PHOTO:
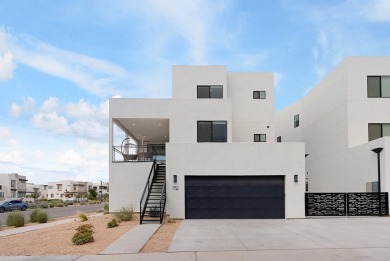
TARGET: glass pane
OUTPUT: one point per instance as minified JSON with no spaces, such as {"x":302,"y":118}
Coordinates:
{"x":216,"y":92}
{"x":279,"y":139}
{"x":257,"y":137}
{"x":263,"y":137}
{"x":385,"y":129}
{"x":203,"y":92}
{"x":373,"y":86}
{"x":374,"y":131}
{"x":262,"y":95}
{"x":219,"y":131}
{"x":385,"y":86}
{"x":256,"y":95}
{"x":296,"y":121}
{"x":204,"y":131}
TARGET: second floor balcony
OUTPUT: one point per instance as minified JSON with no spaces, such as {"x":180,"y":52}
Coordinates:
{"x":134,"y":153}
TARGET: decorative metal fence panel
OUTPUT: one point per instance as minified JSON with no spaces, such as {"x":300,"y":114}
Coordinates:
{"x":325,"y":204}
{"x":345,"y":204}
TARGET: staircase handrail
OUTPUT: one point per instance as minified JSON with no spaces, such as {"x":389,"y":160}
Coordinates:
{"x":162,"y":204}
{"x":147,"y":188}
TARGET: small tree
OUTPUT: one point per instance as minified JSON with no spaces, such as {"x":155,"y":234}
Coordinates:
{"x":35,"y":195}
{"x":92,"y":194}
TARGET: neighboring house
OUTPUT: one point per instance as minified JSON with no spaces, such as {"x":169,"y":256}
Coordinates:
{"x":68,"y":189}
{"x":341,"y":120}
{"x":216,"y":136}
{"x":12,"y":186}
{"x":102,"y":188}
{"x":35,"y":188}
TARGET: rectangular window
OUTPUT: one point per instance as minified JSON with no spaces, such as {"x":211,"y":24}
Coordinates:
{"x":279,"y":139}
{"x":378,"y":86}
{"x":1,"y":187}
{"x":260,"y":137}
{"x":210,"y":92}
{"x":378,"y":130}
{"x":1,"y":194}
{"x":212,"y":131}
{"x":13,"y":183}
{"x":258,"y":94}
{"x":296,"y":121}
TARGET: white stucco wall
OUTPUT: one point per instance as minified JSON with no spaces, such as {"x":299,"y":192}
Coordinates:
{"x":237,"y":159}
{"x":127,"y":182}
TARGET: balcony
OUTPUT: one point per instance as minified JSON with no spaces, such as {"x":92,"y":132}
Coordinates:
{"x":135,"y":153}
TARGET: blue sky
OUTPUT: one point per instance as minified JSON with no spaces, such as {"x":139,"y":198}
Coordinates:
{"x":60,"y":62}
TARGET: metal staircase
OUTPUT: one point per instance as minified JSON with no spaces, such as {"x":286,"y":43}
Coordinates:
{"x":152,"y":203}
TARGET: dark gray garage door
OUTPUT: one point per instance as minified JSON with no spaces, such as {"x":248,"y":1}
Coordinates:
{"x":234,"y":197}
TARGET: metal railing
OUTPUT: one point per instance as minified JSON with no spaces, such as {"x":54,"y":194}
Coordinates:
{"x":162,"y":202}
{"x":134,"y":153}
{"x":144,"y":199}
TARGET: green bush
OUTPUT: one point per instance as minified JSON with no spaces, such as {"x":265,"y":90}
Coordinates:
{"x":51,"y":205}
{"x":83,"y":217}
{"x":106,"y":207}
{"x":125,"y":214}
{"x":112,"y":223}
{"x":34,"y":215}
{"x":15,"y":219}
{"x":60,"y":204}
{"x":85,"y":228}
{"x":83,"y":203}
{"x":42,"y":217}
{"x":82,"y":238}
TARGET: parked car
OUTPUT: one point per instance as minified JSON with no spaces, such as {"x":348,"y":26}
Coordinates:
{"x":13,"y":205}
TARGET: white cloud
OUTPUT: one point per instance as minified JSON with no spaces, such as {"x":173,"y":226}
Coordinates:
{"x":378,"y":10}
{"x":94,"y":75}
{"x":71,"y":158}
{"x":11,"y":157}
{"x":27,"y":106}
{"x":51,"y":122}
{"x":6,"y":137}
{"x":7,"y":65}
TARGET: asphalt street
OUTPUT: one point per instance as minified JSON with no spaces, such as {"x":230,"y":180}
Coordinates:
{"x":58,"y":212}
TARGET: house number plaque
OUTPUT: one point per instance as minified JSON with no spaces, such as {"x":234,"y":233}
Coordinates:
{"x":175,"y":187}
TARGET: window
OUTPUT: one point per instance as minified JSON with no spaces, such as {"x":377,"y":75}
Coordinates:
{"x":378,"y":86}
{"x":13,"y":183}
{"x":210,"y":92}
{"x":59,"y":186}
{"x":296,"y":121}
{"x":378,"y":130}
{"x":1,"y":194}
{"x":52,"y":195}
{"x":260,"y":137}
{"x":212,"y":131}
{"x":279,"y":139}
{"x":1,"y":187}
{"x":258,"y":94}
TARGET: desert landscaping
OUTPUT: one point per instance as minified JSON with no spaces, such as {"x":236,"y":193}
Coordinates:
{"x":57,"y":240}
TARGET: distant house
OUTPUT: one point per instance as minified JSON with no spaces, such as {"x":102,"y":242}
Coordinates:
{"x":68,"y":189}
{"x":210,"y":150}
{"x":35,"y":188}
{"x":12,"y":186}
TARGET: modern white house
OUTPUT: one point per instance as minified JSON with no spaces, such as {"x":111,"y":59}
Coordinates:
{"x":210,"y":150}
{"x":68,"y":189}
{"x":341,"y":121}
{"x":12,"y":186}
{"x":36,"y":188}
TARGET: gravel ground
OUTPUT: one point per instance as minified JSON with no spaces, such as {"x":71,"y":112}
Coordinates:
{"x":57,"y":240}
{"x":160,"y":241}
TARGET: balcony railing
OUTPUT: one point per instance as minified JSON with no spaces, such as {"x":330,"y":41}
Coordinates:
{"x":135,"y":153}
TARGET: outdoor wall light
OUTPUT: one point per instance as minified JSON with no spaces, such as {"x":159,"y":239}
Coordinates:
{"x":174,"y":178}
{"x":295,"y":178}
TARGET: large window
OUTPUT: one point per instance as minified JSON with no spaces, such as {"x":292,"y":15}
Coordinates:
{"x":260,"y":137}
{"x":279,"y":139}
{"x":296,"y":121}
{"x":258,"y":94}
{"x":210,"y":92}
{"x":212,"y":131}
{"x":378,"y":86}
{"x":378,"y":130}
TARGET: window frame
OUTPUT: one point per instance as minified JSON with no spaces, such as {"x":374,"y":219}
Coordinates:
{"x":279,"y":139}
{"x":381,"y":130}
{"x":212,"y":132}
{"x":209,"y":91}
{"x":259,"y":135}
{"x":257,"y":95}
{"x":296,"y":120}
{"x":380,"y":86}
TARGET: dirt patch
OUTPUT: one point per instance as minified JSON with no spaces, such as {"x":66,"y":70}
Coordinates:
{"x":57,"y":240}
{"x":160,"y":241}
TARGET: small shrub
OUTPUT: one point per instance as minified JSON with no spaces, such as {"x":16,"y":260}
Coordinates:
{"x":106,"y":207}
{"x":125,"y":214}
{"x":85,"y":228}
{"x":51,"y":205}
{"x":34,"y":215}
{"x":42,"y":217}
{"x":112,"y":223}
{"x":15,"y":219}
{"x":83,"y":203}
{"x":83,"y":217}
{"x":82,"y":238}
{"x":60,"y":205}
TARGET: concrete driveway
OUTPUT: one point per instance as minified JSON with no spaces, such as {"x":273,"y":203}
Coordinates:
{"x":294,"y":234}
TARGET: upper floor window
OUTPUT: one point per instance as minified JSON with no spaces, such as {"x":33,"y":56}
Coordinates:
{"x":13,"y":183}
{"x":279,"y":139}
{"x":210,"y":92}
{"x":212,"y":131}
{"x":378,"y":130}
{"x":378,"y":86}
{"x":296,"y":121}
{"x":1,"y":187}
{"x":260,"y":137}
{"x":258,"y":94}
